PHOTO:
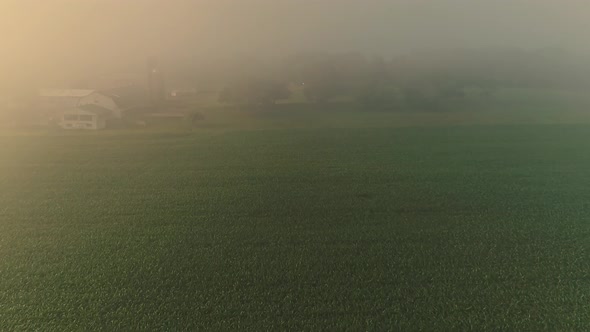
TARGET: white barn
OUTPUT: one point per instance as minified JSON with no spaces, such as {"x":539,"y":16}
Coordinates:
{"x":89,"y":117}
{"x":60,"y":99}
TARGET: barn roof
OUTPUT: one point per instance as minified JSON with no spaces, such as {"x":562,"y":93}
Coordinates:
{"x":96,"y":109}
{"x":65,"y":92}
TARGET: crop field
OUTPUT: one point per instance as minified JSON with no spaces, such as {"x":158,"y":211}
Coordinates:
{"x":472,"y":227}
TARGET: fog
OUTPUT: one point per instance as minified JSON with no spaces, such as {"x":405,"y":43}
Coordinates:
{"x":76,"y":37}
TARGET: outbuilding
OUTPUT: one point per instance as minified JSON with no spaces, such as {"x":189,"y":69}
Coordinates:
{"x":60,"y":99}
{"x":88,"y":117}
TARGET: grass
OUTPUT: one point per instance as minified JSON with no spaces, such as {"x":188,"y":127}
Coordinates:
{"x":333,"y":226}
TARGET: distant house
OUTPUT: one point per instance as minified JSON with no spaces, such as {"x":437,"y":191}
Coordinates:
{"x":89,"y":109}
{"x":89,"y":116}
{"x":60,"y":99}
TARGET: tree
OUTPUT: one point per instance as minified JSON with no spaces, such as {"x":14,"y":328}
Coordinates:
{"x":327,"y":76}
{"x":254,"y":92}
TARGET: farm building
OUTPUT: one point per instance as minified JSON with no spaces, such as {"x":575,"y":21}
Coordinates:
{"x":89,"y":117}
{"x":59,"y":99}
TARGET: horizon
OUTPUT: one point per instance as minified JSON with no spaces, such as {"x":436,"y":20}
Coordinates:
{"x":73,"y":37}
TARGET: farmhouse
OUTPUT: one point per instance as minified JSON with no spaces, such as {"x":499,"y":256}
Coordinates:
{"x":90,"y":117}
{"x":89,"y":109}
{"x":82,"y":108}
{"x":59,"y":99}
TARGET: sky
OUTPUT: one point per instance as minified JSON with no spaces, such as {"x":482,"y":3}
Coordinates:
{"x":51,"y":35}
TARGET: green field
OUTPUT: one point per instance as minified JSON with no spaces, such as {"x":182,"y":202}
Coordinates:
{"x":359,"y":222}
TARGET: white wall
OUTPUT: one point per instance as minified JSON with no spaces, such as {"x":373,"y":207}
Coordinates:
{"x":71,"y":120}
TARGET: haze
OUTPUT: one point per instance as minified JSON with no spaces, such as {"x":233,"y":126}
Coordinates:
{"x":74,"y":34}
{"x":252,"y":165}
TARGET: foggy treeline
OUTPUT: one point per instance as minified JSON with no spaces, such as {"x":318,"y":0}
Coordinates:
{"x":386,"y":54}
{"x":418,"y":80}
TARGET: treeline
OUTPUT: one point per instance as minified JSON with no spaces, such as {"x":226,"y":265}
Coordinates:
{"x":415,"y":81}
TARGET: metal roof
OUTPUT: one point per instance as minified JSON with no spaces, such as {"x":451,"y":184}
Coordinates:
{"x":96,"y":109}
